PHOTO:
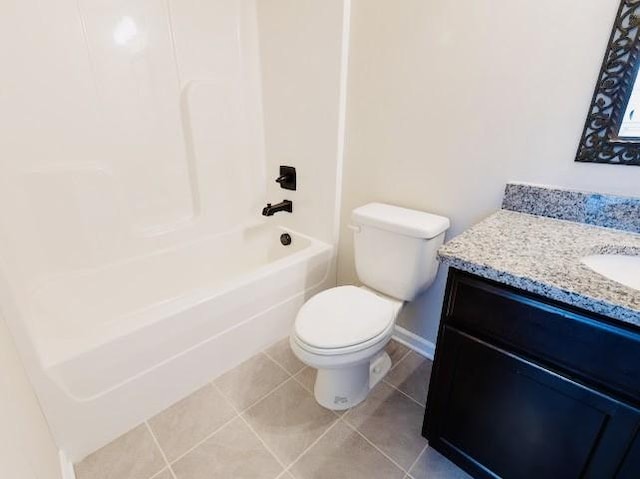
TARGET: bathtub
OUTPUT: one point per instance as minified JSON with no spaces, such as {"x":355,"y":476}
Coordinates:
{"x":115,"y":345}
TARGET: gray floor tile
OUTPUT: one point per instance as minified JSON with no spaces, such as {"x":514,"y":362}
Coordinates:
{"x":344,"y":454}
{"x":189,"y":421}
{"x":166,"y":474}
{"x":396,"y":351}
{"x":307,"y":377}
{"x":433,"y":465}
{"x":392,"y":422}
{"x":282,"y":354}
{"x":411,"y":376}
{"x":251,"y":380}
{"x":134,"y":455}
{"x":289,"y":420}
{"x":232,"y":452}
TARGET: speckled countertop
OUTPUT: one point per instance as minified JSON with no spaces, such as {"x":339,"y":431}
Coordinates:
{"x":542,"y":255}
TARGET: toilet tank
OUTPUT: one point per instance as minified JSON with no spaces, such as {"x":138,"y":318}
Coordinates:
{"x":395,"y":248}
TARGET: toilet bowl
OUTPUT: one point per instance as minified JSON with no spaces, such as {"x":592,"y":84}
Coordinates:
{"x":342,"y":332}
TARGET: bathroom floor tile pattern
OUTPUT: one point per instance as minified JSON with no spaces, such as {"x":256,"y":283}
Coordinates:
{"x":260,"y":420}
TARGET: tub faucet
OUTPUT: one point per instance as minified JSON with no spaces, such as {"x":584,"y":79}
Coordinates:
{"x":271,"y":210}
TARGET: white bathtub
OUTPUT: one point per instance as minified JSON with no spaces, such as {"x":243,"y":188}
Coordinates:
{"x":118,"y":344}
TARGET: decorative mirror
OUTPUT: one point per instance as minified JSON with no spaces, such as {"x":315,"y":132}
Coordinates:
{"x":612,"y":130}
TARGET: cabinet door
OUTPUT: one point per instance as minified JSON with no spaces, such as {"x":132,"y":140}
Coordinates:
{"x":498,"y":415}
{"x":630,"y":467}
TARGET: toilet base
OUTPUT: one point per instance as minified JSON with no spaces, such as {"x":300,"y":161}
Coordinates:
{"x":343,"y":388}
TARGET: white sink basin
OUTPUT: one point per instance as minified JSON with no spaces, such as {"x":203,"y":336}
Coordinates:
{"x":620,"y":268}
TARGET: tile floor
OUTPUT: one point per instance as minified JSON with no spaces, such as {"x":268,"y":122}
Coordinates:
{"x":260,"y":420}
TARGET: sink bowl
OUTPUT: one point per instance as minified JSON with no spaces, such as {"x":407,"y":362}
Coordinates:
{"x":620,"y":268}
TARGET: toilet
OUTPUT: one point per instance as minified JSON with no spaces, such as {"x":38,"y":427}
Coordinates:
{"x":342,"y":331}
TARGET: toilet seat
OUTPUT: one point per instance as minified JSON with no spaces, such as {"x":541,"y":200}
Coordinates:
{"x":344,"y":319}
{"x":346,"y":351}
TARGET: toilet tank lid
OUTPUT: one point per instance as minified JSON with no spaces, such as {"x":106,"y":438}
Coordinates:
{"x":404,"y":221}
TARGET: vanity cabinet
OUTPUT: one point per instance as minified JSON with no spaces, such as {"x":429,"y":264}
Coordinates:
{"x":525,"y":387}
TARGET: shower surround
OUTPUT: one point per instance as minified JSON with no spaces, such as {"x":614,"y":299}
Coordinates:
{"x":141,"y":140}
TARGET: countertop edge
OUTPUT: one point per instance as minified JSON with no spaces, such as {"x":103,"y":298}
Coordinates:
{"x":616,"y":312}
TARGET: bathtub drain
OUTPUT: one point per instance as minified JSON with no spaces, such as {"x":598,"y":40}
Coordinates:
{"x":285,"y":239}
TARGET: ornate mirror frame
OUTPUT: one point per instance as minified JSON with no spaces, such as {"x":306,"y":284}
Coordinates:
{"x":600,"y":142}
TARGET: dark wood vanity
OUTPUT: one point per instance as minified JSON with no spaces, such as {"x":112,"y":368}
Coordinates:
{"x":527,"y":387}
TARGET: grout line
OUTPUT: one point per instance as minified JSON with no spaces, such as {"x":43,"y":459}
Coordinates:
{"x":157,"y":443}
{"x":393,"y":366}
{"x":416,"y":461}
{"x":403,"y":393}
{"x":275,"y":361}
{"x":285,"y":467}
{"x":157,"y":474}
{"x":295,"y":378}
{"x":348,"y":411}
{"x":264,"y":351}
{"x":261,"y":398}
{"x":243,"y":419}
{"x":280,"y":365}
{"x":312,"y":444}
{"x":376,"y":447}
{"x":264,"y":444}
{"x":199,"y":443}
{"x":239,"y":414}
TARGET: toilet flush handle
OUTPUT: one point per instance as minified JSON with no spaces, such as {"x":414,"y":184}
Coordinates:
{"x":355,"y":228}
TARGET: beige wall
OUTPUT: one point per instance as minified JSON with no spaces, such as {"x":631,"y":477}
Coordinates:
{"x":450,"y":100}
{"x":26,"y":448}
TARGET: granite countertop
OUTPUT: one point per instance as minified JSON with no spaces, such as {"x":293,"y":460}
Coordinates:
{"x":542,"y":255}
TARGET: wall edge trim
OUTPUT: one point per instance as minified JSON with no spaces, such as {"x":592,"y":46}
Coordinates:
{"x":413,"y":341}
{"x":66,"y":467}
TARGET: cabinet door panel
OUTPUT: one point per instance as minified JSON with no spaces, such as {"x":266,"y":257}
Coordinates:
{"x":604,"y":355}
{"x":630,"y":467}
{"x":506,"y":417}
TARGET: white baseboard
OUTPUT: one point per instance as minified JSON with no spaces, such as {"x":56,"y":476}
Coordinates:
{"x":66,"y":467}
{"x":413,"y":341}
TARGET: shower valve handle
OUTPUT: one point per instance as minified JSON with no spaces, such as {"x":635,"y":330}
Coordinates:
{"x":287,"y":178}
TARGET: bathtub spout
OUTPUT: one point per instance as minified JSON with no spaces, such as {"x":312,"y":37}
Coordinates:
{"x":270,"y":209}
